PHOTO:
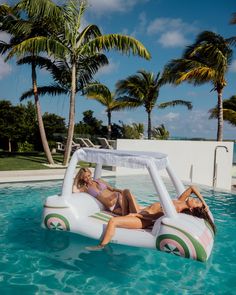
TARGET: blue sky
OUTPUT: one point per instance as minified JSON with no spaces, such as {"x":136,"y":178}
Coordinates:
{"x":165,"y":27}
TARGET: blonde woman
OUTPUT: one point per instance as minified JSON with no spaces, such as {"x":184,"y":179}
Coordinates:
{"x":115,"y":200}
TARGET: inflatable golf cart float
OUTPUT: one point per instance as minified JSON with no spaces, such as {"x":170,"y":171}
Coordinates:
{"x":177,"y":233}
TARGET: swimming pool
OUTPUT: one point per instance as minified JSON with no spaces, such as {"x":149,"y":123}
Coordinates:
{"x":37,"y":261}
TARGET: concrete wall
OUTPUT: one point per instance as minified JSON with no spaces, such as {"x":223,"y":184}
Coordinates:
{"x":193,"y":161}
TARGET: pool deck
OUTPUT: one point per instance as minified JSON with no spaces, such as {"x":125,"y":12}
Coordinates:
{"x":58,"y":174}
{"x":37,"y":175}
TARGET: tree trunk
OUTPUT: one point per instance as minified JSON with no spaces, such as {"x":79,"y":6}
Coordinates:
{"x":71,"y":123}
{"x":9,"y":145}
{"x":149,"y":126}
{"x":220,"y":115}
{"x":39,"y":117}
{"x":109,"y":124}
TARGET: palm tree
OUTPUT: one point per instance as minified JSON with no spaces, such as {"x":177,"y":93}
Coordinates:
{"x":103,"y":95}
{"x":22,"y":29}
{"x":133,"y":131}
{"x":160,"y":132}
{"x":229,"y":110}
{"x":61,"y":74}
{"x":207,"y":60}
{"x":68,"y":41}
{"x":142,"y":89}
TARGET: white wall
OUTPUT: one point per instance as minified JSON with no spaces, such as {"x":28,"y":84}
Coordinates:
{"x":193,"y":161}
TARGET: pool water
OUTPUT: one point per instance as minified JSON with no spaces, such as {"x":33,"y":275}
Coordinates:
{"x":37,"y":261}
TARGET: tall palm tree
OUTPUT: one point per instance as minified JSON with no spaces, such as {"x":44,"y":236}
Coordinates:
{"x":229,"y":110}
{"x":61,"y":74}
{"x":142,"y":89}
{"x":70,"y":42}
{"x":103,"y":95}
{"x":21,"y":28}
{"x":207,"y":60}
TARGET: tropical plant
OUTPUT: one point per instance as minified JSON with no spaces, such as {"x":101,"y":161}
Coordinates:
{"x":89,"y":126}
{"x":69,"y":42}
{"x":207,"y":60}
{"x":11,"y":125}
{"x":23,"y":24}
{"x":229,"y":110}
{"x":160,"y":132}
{"x":103,"y":95}
{"x":142,"y":89}
{"x":133,"y":131}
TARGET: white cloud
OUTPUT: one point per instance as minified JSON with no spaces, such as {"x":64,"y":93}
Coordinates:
{"x":170,"y":116}
{"x":192,"y":124}
{"x":101,"y":7}
{"x":173,"y":39}
{"x":164,"y":24}
{"x":5,"y":37}
{"x":112,"y":67}
{"x":142,"y":24}
{"x":5,"y":68}
{"x":192,"y":93}
{"x":233,"y":66}
{"x":172,"y":32}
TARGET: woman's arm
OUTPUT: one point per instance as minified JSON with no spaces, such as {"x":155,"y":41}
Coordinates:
{"x":185,"y":194}
{"x":192,"y":190}
{"x":75,"y":189}
{"x":200,"y":197}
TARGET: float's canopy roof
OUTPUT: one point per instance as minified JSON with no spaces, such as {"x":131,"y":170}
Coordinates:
{"x":131,"y":159}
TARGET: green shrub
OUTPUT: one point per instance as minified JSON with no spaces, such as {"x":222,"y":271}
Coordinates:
{"x":25,"y":147}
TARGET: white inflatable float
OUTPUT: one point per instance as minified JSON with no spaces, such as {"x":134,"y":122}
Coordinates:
{"x":176,"y":233}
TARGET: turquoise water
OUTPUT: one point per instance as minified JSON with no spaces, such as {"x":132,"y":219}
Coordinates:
{"x":37,"y":261}
{"x":234,"y":154}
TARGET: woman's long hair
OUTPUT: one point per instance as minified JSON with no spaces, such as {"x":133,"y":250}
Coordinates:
{"x":79,"y":182}
{"x":200,"y":212}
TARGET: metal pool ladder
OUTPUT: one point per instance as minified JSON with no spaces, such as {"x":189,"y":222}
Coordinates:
{"x":215,"y":164}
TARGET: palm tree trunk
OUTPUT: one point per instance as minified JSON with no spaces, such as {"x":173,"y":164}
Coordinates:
{"x":9,"y":145}
{"x":220,"y":115}
{"x":71,"y":123}
{"x":109,"y":125}
{"x":39,"y":117}
{"x":149,"y":126}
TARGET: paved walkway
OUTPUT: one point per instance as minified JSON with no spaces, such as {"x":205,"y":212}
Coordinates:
{"x":31,"y":175}
{"x":54,"y":174}
{"x":37,"y":175}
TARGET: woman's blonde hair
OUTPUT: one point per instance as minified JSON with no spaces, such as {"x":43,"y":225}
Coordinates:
{"x":78,"y":181}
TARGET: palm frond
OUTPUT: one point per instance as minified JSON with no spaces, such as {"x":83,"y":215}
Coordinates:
{"x":231,"y":41}
{"x":36,"y":45}
{"x":95,"y":90}
{"x":122,"y":43}
{"x":176,"y":102}
{"x":90,"y":31}
{"x":131,"y":102}
{"x":51,"y":90}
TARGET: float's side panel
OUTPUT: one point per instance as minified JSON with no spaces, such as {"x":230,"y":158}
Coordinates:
{"x":58,"y":219}
{"x":193,"y":242}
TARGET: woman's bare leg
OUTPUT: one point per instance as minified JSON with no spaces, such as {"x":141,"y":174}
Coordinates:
{"x":130,"y":204}
{"x":130,"y":222}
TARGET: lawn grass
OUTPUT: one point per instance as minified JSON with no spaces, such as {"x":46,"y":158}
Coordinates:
{"x":28,"y":161}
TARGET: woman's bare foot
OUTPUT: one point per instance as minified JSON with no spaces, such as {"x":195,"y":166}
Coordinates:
{"x":95,"y":248}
